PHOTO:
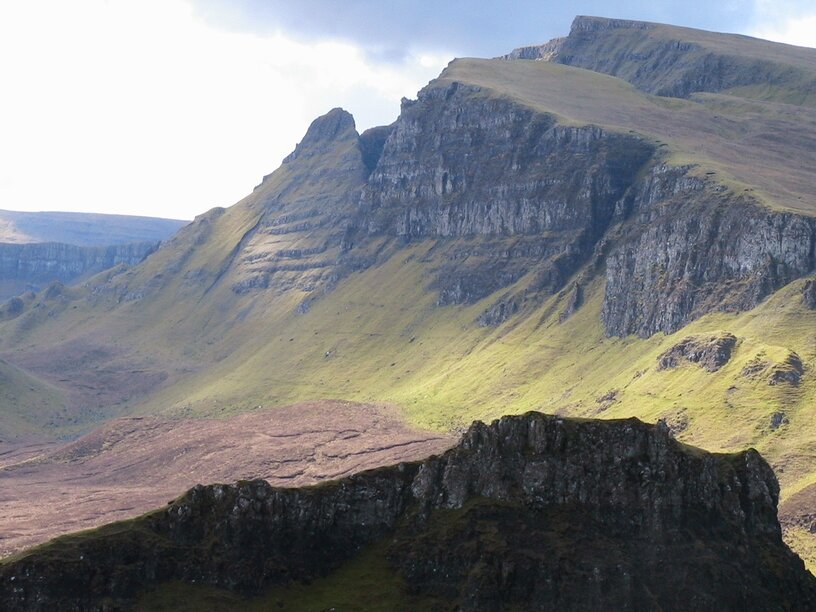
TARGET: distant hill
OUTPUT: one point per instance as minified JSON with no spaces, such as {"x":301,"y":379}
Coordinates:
{"x":83,"y":229}
{"x":39,"y":248}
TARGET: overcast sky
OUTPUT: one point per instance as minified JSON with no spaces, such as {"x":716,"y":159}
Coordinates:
{"x":171,"y":107}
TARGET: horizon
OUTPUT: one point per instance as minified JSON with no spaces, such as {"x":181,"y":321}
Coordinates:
{"x":102,"y":123}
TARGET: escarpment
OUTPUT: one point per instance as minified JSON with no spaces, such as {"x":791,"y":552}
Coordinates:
{"x":34,"y":265}
{"x":690,"y":249}
{"x":531,"y":510}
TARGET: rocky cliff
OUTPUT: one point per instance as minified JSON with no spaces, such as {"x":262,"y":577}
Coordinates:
{"x":508,"y":192}
{"x":32,"y":266}
{"x":532,"y":511}
{"x":690,"y":248}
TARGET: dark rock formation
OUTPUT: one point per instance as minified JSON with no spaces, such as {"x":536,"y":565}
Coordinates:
{"x":788,"y":371}
{"x":372,"y":142}
{"x":531,"y":512}
{"x":778,"y":419}
{"x":534,"y":194}
{"x":575,"y":298}
{"x":711,"y":352}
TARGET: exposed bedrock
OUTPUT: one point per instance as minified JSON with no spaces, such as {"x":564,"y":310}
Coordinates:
{"x":689,"y":248}
{"x":513,"y":189}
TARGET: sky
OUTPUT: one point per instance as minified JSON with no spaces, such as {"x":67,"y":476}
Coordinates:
{"x":171,"y":107}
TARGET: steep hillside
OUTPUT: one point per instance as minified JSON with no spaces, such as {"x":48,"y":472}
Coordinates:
{"x":530,"y":512}
{"x":526,"y":235}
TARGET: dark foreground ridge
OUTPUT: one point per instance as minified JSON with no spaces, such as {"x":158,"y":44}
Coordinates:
{"x":530,"y":512}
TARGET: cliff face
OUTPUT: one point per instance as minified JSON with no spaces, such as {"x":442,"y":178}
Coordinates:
{"x":531,"y":510}
{"x":23,"y":266}
{"x":689,"y":248}
{"x":506,"y":192}
{"x":535,"y":196}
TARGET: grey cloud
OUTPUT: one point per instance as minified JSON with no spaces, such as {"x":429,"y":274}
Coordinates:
{"x":390,"y":29}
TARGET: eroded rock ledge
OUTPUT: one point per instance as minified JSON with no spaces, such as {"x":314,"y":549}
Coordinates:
{"x":532,"y":511}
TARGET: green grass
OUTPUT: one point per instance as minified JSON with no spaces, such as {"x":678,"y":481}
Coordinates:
{"x":28,"y":403}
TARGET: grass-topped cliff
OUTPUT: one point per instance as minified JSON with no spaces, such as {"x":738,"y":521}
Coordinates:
{"x":527,"y":512}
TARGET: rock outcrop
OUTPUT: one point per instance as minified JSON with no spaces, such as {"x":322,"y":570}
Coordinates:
{"x":809,"y":294}
{"x":537,"y":195}
{"x":531,"y":511}
{"x":709,"y":351}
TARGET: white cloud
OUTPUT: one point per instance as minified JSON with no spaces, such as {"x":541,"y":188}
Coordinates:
{"x":785,"y":21}
{"x":795,"y":31}
{"x":140,"y":108}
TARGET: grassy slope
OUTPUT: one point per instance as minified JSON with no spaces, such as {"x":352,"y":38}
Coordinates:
{"x":22,"y":396}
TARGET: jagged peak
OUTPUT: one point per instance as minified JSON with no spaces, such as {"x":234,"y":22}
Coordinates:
{"x":336,"y":125}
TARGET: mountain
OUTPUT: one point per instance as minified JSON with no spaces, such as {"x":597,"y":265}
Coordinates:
{"x":37,"y":249}
{"x":533,"y":512}
{"x":526,"y":235}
